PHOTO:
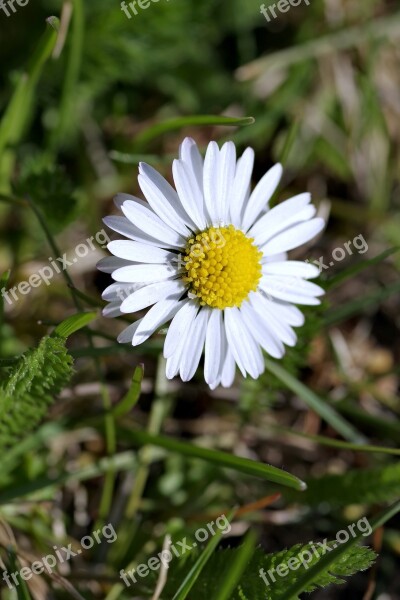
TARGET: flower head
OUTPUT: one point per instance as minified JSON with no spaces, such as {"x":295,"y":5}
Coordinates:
{"x":211,"y":258}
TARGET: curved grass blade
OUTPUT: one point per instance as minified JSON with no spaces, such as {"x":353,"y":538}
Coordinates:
{"x":358,"y":268}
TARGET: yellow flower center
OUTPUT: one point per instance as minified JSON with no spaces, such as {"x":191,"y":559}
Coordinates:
{"x":222,"y":266}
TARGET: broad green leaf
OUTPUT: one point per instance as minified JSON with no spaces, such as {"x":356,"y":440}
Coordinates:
{"x":326,"y":562}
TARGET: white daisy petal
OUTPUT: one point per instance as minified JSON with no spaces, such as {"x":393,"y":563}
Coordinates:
{"x":160,"y":313}
{"x":284,"y":311}
{"x":138,"y":252}
{"x":293,"y":290}
{"x":112,"y":310}
{"x":278,"y":327}
{"x":261,"y":331}
{"x":110,"y":263}
{"x":144,"y":273}
{"x":119,"y":291}
{"x":190,"y":193}
{"x":126,"y":336}
{"x":241,"y":186}
{"x":151,"y":224}
{"x":205,"y":291}
{"x":190,"y":154}
{"x":228,"y":370}
{"x":194,"y":345}
{"x":124,"y":227}
{"x":293,"y":237}
{"x":179,"y":326}
{"x":210,"y":180}
{"x":227,"y":168}
{"x":244,"y":348}
{"x":291,"y":267}
{"x":150,"y":294}
{"x":214,"y":347}
{"x":163,"y":199}
{"x":279,"y":218}
{"x":261,"y":195}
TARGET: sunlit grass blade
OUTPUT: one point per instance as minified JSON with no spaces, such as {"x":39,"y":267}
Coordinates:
{"x":191,"y":577}
{"x":305,"y":580}
{"x":320,"y":406}
{"x":232,"y":578}
{"x":358,"y":268}
{"x":178,"y":123}
{"x":222,"y":459}
{"x":18,"y":111}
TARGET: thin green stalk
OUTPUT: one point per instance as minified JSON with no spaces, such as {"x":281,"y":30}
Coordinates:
{"x":109,"y":483}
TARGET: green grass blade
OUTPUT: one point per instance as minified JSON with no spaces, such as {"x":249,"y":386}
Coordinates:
{"x":356,"y":269}
{"x":301,"y":584}
{"x":222,"y":459}
{"x":317,"y":404}
{"x":359,"y":305}
{"x":325,"y":441}
{"x":237,"y":568}
{"x":74,"y":323}
{"x":72,"y":72}
{"x":178,"y":123}
{"x":131,"y":398}
{"x":18,"y":111}
{"x":195,"y":571}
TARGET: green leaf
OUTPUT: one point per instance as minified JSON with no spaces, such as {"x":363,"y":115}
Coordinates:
{"x":194,"y":573}
{"x":25,"y":396}
{"x":178,"y":123}
{"x":260,"y":579}
{"x":222,"y":459}
{"x":230,"y":581}
{"x":131,"y":398}
{"x":74,"y":323}
{"x":317,"y":404}
{"x":326,"y":563}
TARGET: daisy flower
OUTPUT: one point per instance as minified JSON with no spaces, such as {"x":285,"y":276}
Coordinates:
{"x":211,"y":258}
